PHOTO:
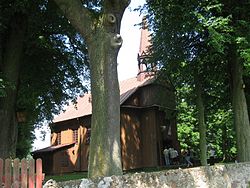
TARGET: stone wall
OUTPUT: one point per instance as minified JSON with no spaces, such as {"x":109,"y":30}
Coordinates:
{"x":217,"y":176}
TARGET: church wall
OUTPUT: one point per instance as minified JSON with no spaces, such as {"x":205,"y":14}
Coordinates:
{"x":63,"y":161}
{"x":155,"y":94}
{"x":131,"y":139}
{"x":141,"y":137}
{"x":149,"y":139}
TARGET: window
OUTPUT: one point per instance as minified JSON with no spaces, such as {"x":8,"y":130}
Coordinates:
{"x":58,"y":138}
{"x":75,"y":135}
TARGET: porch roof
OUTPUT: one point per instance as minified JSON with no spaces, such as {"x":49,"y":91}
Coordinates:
{"x":52,"y":148}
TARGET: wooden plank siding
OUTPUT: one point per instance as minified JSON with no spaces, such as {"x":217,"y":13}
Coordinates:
{"x":143,"y":116}
{"x":149,"y":140}
{"x":84,"y":150}
{"x":157,"y":95}
{"x":131,"y":143}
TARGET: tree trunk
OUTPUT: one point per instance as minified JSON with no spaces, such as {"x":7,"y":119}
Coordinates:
{"x":101,"y":34}
{"x":10,"y":68}
{"x":105,"y":152}
{"x":240,"y":112}
{"x":201,"y":122}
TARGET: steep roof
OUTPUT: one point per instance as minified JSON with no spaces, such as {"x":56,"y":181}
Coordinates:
{"x":83,"y":106}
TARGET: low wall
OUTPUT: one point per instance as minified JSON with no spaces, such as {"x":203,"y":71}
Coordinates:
{"x":220,"y":175}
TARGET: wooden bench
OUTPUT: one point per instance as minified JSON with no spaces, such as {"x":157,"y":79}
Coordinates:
{"x":26,"y":173}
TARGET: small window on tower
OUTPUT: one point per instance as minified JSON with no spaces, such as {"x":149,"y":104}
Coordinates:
{"x":75,"y":135}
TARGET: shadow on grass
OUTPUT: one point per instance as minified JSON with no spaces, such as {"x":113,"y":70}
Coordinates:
{"x":67,"y":176}
{"x":80,"y":175}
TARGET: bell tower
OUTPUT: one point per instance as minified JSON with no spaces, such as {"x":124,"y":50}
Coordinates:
{"x":144,"y":52}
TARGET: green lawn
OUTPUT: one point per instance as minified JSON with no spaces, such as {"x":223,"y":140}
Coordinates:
{"x":80,"y":175}
{"x":67,"y":176}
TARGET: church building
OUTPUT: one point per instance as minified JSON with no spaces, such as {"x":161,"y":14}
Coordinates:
{"x":147,"y":123}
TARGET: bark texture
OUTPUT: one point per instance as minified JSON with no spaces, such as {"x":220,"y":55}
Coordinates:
{"x":103,"y":40}
{"x":201,"y":121}
{"x":105,"y":152}
{"x":10,"y":66}
{"x":240,"y":112}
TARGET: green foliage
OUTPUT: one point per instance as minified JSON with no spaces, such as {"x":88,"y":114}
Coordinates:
{"x":67,"y":177}
{"x":25,"y":140}
{"x":2,"y":88}
{"x":58,"y":71}
{"x":4,"y":85}
{"x":191,"y":40}
{"x":187,"y":127}
{"x":221,"y":134}
{"x":54,"y":64}
{"x":188,"y":134}
{"x":243,"y":44}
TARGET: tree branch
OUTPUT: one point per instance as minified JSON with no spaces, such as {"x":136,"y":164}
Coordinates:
{"x":113,"y":11}
{"x":78,"y":15}
{"x":116,"y":4}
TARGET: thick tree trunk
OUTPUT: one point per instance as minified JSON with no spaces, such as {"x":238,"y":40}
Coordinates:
{"x":105,"y":152}
{"x":240,"y":112}
{"x":201,"y":122}
{"x":10,"y":67}
{"x":101,"y":34}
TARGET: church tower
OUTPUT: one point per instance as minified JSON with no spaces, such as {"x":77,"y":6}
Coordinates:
{"x":144,"y":52}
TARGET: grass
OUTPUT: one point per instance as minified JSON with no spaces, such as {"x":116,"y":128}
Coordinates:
{"x":67,"y":176}
{"x":80,"y":175}
{"x":152,"y":169}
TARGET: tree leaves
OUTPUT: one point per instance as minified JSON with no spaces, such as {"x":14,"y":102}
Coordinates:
{"x":54,"y":63}
{"x":192,"y":39}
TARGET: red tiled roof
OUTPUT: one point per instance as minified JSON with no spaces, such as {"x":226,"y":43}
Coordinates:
{"x":84,"y":108}
{"x":52,"y":148}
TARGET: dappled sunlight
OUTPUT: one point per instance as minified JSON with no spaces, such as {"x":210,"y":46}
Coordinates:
{"x":116,"y":156}
{"x":97,"y":158}
{"x":200,"y":177}
{"x":84,"y":154}
{"x":123,"y":139}
{"x":63,"y":161}
{"x":53,"y":138}
{"x":130,"y":140}
{"x":136,"y":135}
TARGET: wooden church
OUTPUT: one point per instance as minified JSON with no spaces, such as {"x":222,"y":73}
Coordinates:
{"x":147,"y":122}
